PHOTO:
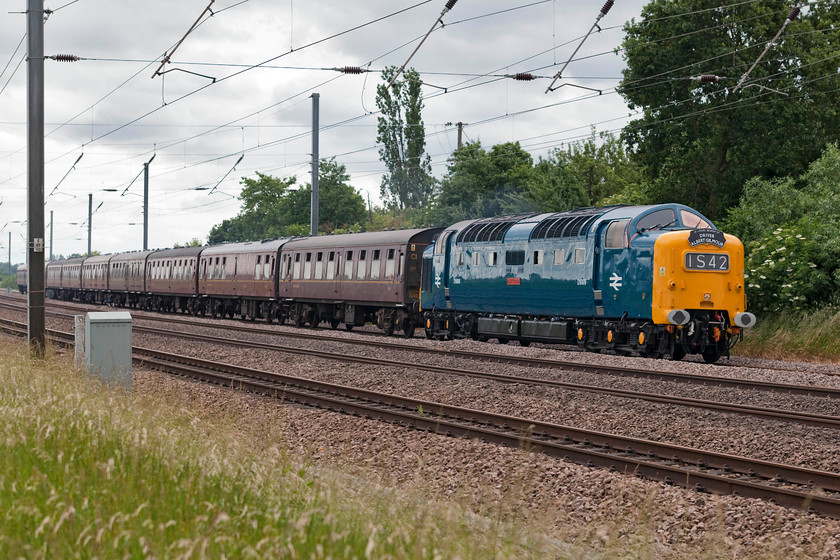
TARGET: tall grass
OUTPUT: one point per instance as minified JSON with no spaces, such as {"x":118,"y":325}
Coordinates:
{"x":87,"y":472}
{"x":813,"y":335}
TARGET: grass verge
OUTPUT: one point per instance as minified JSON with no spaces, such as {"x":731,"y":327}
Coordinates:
{"x":89,"y":472}
{"x":808,"y":336}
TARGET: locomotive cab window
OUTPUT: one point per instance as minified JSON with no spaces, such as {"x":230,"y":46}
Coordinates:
{"x":694,"y":221}
{"x":440,"y":244}
{"x":615,"y":236}
{"x":657,"y":219}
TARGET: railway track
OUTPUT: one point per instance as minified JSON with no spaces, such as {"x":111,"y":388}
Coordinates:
{"x":388,"y":344}
{"x":700,"y":470}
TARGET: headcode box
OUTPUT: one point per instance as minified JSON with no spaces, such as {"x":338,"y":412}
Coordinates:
{"x":108,"y":346}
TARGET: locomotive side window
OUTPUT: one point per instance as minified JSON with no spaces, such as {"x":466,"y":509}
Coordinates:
{"x":614,"y":238}
{"x":361,"y":270}
{"x":580,"y":256}
{"x":440,"y":244}
{"x":692,"y":220}
{"x":658,"y":218}
{"x":389,"y":265}
{"x":538,"y":257}
{"x":493,"y":258}
{"x":374,"y":265}
{"x":515,"y":258}
{"x":559,"y":257}
{"x":331,"y":265}
{"x":476,"y":258}
{"x":459,"y":259}
{"x":348,"y":265}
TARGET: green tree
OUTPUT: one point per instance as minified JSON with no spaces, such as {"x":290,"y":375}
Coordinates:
{"x":273,"y":207}
{"x":791,"y":230}
{"x":700,"y":141}
{"x":402,"y":134}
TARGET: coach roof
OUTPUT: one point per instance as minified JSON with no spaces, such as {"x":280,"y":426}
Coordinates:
{"x":367,"y":239}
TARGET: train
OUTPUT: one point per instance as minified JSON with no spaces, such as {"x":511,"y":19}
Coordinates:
{"x":22,"y":278}
{"x":658,"y":280}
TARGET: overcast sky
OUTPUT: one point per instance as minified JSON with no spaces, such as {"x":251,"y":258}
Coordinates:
{"x":111,"y":109}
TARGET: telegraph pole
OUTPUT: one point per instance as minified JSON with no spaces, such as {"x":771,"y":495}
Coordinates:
{"x":51,"y":234}
{"x":35,"y":174}
{"x":460,"y":133}
{"x":313,"y":201}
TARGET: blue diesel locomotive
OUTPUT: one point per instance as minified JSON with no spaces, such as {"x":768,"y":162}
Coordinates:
{"x":658,"y":280}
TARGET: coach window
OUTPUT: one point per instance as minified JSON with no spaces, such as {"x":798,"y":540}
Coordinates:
{"x":331,"y":265}
{"x":296,"y":273}
{"x":361,"y":269}
{"x":307,"y":267}
{"x":580,"y":256}
{"x":389,"y":265}
{"x":348,"y":265}
{"x":538,"y":257}
{"x":224,"y":268}
{"x":616,"y":235}
{"x":258,"y":267}
{"x":267,"y":267}
{"x":692,"y":220}
{"x":374,"y":265}
{"x":559,"y":257}
{"x":319,"y":265}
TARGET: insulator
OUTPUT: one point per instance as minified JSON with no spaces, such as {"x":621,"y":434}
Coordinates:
{"x":351,"y":70}
{"x":794,"y":13}
{"x":450,"y":4}
{"x":709,"y":78}
{"x":64,"y":58}
{"x":607,"y":7}
{"x":524,"y":77}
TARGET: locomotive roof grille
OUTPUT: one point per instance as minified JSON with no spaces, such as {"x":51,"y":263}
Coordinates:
{"x":574,"y":223}
{"x":489,"y":229}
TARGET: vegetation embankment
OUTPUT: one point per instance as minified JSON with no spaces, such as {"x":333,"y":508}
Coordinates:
{"x":794,"y":335}
{"x":90,"y":472}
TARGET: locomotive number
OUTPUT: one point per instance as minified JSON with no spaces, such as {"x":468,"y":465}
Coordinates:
{"x":707,"y":261}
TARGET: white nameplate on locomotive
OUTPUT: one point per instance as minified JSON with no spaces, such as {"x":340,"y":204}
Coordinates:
{"x":707,"y":261}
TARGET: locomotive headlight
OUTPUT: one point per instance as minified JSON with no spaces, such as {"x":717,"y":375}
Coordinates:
{"x":707,"y":296}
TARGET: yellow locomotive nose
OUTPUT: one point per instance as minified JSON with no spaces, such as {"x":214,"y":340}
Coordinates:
{"x":705,"y":276}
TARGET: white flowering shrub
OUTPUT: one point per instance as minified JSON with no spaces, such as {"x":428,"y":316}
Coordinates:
{"x":782,"y":270}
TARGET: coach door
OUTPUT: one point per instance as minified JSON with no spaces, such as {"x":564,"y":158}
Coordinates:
{"x":442,"y":264}
{"x":610,"y":269}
